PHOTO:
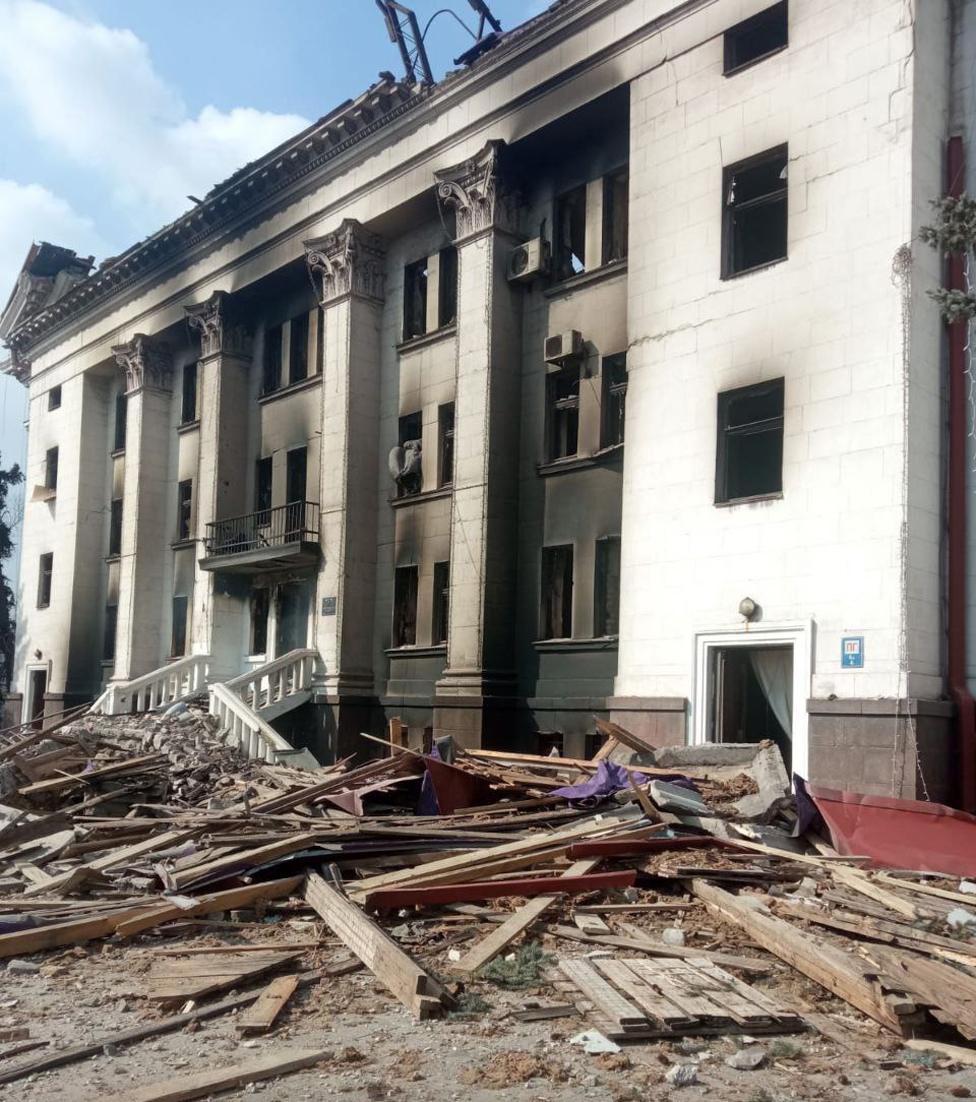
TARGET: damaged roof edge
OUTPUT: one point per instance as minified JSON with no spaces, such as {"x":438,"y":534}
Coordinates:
{"x":334,"y":133}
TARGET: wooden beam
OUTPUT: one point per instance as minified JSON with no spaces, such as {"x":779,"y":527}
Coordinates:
{"x":473,"y":891}
{"x":73,"y":932}
{"x":202,"y":1083}
{"x":644,"y":944}
{"x":502,"y":936}
{"x":398,"y":972}
{"x":833,"y":969}
{"x":260,"y":1015}
{"x":244,"y":859}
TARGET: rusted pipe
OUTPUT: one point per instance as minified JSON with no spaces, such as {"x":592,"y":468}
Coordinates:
{"x":956,"y":519}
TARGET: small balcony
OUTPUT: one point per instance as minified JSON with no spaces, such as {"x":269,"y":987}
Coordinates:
{"x":268,"y":539}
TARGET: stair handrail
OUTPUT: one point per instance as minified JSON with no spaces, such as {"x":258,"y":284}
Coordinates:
{"x":272,"y":681}
{"x":244,"y":728}
{"x":166,"y":685}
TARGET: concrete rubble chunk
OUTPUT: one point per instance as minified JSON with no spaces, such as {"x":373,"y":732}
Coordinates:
{"x":682,"y":1075}
{"x":747,"y":1059}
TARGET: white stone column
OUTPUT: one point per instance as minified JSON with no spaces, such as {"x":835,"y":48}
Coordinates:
{"x":219,"y":617}
{"x":484,"y":518}
{"x":348,"y":269}
{"x":148,"y":368}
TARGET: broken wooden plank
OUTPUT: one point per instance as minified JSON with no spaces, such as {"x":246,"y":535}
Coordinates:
{"x":73,"y":932}
{"x":423,"y":896}
{"x":228,"y":864}
{"x":57,"y":784}
{"x":957,"y":1053}
{"x":644,"y":944}
{"x":202,"y":1083}
{"x":260,"y":1015}
{"x":400,"y":973}
{"x":501,"y":937}
{"x":609,"y":1001}
{"x":833,"y":969}
{"x":208,"y":904}
{"x":175,"y":981}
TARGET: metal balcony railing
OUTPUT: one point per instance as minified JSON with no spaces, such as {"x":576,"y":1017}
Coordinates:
{"x":297,"y":522}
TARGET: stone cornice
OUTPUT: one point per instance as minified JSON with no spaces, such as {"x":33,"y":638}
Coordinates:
{"x":349,"y":261}
{"x":146,"y":362}
{"x":478,"y":194}
{"x":218,"y":332}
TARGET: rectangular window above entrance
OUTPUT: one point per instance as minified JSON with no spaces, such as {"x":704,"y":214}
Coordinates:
{"x":44,"y":579}
{"x":178,"y":638}
{"x":755,"y":212}
{"x":260,"y":607}
{"x":750,"y":442}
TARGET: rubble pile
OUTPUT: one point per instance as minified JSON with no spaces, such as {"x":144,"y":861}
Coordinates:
{"x":650,"y":895}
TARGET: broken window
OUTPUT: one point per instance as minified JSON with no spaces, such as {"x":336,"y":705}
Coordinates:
{"x":445,"y":460}
{"x":570,"y":230}
{"x":756,"y":38}
{"x":557,"y":593}
{"x":442,"y":602}
{"x":409,"y":480}
{"x":262,"y":490}
{"x":54,"y":398}
{"x":754,"y":221}
{"x":606,"y":589}
{"x":563,"y":399}
{"x":121,"y":411}
{"x":447,"y":287}
{"x":178,"y":637}
{"x":51,"y":469}
{"x":415,"y":299}
{"x":111,"y":629}
{"x":184,"y":509}
{"x":296,"y":477}
{"x":260,"y":605}
{"x":614,"y":398}
{"x":405,"y":606}
{"x":188,"y":405}
{"x":115,"y":528}
{"x":750,"y":442}
{"x":271,"y":380}
{"x":615,"y":212}
{"x":44,"y":577}
{"x":298,"y":349}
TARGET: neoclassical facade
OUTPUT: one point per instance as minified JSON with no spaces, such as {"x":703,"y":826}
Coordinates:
{"x":599,"y":378}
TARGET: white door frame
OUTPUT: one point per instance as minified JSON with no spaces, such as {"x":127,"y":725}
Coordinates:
{"x":33,"y":667}
{"x":798,"y":635}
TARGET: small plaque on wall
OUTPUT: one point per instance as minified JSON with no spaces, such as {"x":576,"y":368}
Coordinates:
{"x":328,"y":606}
{"x":852,"y":652}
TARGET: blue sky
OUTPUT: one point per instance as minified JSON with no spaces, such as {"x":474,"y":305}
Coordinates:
{"x":113,"y":111}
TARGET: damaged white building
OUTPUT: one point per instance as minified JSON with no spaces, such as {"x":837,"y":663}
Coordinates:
{"x":600,"y":377}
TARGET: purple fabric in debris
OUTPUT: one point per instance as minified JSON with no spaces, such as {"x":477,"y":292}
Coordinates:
{"x":610,"y":777}
{"x":427,"y":804}
{"x":808,"y":815}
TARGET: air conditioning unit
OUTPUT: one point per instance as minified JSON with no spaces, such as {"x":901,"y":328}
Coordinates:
{"x":563,"y":348}
{"x":528,"y":261}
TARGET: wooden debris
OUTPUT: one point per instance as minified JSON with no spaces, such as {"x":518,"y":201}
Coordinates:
{"x":174,"y":981}
{"x":260,"y":1015}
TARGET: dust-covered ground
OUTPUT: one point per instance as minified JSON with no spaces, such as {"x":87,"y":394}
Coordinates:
{"x":374,"y":1050}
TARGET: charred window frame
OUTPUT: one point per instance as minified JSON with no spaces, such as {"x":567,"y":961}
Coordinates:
{"x":447,"y":286}
{"x":606,"y":587}
{"x":569,"y":222}
{"x":562,"y":404}
{"x":556,"y":612}
{"x":110,"y":633}
{"x":441,"y":602}
{"x":271,"y":379}
{"x":756,"y":38}
{"x":51,"y":469}
{"x":616,"y":212}
{"x":45,"y":577}
{"x":296,"y":491}
{"x":121,"y":417}
{"x":184,"y":508}
{"x":260,"y":608}
{"x":445,"y":442}
{"x":263,"y":476}
{"x":614,"y":372}
{"x":410,"y":429}
{"x":188,"y":403}
{"x":54,"y":397}
{"x":415,"y":299}
{"x":177,"y":646}
{"x":405,"y":606}
{"x":754,"y":215}
{"x":115,"y":528}
{"x":750,"y":442}
{"x":298,"y":349}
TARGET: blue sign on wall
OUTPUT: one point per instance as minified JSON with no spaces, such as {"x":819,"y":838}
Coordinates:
{"x":852,"y":652}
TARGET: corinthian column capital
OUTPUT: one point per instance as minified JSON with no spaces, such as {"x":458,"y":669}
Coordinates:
{"x":348,"y":261}
{"x":478,"y":194}
{"x":146,"y":362}
{"x":218,"y":333}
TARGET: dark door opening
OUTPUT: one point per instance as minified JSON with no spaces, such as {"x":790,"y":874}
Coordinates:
{"x":295,"y":487}
{"x":37,"y":688}
{"x":752,"y":697}
{"x":291,"y":628}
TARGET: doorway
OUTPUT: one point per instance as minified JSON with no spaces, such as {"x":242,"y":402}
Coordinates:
{"x":752,"y":696}
{"x":36,"y":691}
{"x":291,"y":621}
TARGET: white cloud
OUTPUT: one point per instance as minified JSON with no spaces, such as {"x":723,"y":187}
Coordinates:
{"x":29,"y":212}
{"x":91,"y":94}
